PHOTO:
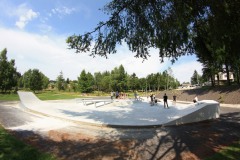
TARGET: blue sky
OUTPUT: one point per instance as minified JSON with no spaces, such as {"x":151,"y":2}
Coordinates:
{"x":34,"y":33}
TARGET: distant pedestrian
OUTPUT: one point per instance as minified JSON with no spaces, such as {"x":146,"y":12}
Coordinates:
{"x":112,"y":94}
{"x":117,"y":95}
{"x":135,"y":95}
{"x":151,"y":97}
{"x":165,"y":98}
{"x":174,"y":99}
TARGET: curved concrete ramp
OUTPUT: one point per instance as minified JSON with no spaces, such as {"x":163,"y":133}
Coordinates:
{"x":28,"y":97}
{"x":210,"y":110}
{"x":122,"y":113}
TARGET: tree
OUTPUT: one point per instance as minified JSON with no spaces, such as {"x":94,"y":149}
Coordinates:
{"x":36,"y":80}
{"x":196,"y":78}
{"x":174,"y":27}
{"x":85,"y":82}
{"x":162,"y":24}
{"x":60,"y":82}
{"x":8,"y":73}
{"x":132,"y":82}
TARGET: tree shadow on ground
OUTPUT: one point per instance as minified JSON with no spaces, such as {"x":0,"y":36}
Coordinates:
{"x":192,"y":141}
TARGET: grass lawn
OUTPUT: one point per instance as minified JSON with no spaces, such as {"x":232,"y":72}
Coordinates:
{"x":57,"y":95}
{"x":9,"y":97}
{"x":12,"y":149}
{"x":43,"y":95}
{"x":229,"y":153}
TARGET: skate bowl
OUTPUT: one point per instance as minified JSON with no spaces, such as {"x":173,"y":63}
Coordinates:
{"x":120,"y":113}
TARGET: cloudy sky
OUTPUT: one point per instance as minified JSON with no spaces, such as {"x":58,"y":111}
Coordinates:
{"x":35,"y":32}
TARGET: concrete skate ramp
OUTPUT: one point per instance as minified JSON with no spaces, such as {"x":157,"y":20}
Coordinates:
{"x":209,"y":111}
{"x":28,"y":97}
{"x":122,"y":113}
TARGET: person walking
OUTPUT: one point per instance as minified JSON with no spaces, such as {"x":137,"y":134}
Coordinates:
{"x":174,"y":99}
{"x":165,"y":98}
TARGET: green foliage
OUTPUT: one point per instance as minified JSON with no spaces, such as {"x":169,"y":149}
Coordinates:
{"x":8,"y":73}
{"x":141,"y":25}
{"x":196,"y":78}
{"x":33,"y":80}
{"x":9,"y":97}
{"x":228,"y":153}
{"x":60,"y":82}
{"x":85,"y":82}
{"x":209,"y":29}
{"x":36,"y":81}
{"x":11,"y":148}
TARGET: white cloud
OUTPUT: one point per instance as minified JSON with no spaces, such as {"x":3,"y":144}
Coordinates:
{"x":183,"y":72}
{"x":44,"y":28}
{"x":62,"y":11}
{"x":50,"y":55}
{"x":25,"y":15}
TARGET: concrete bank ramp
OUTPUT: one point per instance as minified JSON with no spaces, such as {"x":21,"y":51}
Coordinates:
{"x":210,"y":110}
{"x":28,"y":97}
{"x":123,"y":113}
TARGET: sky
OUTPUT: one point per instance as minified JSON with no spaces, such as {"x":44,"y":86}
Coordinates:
{"x":35,"y":33}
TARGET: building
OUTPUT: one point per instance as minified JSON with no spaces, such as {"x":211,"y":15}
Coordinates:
{"x":223,"y":77}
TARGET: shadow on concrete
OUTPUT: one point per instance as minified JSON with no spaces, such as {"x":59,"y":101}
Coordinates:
{"x":193,"y":141}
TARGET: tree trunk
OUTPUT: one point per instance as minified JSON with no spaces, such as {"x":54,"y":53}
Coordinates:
{"x":227,"y":70}
{"x":212,"y":80}
{"x":218,"y":79}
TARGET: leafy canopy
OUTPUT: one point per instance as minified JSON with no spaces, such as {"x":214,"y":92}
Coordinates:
{"x":162,"y":24}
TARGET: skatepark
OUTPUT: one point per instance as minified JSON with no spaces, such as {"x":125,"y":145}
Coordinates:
{"x":122,"y":112}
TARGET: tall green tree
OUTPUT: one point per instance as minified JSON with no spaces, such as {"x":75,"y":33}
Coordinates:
{"x":196,"y":78}
{"x":85,"y":82}
{"x":133,"y":82}
{"x":36,"y":80}
{"x":162,"y":24}
{"x":8,"y":73}
{"x":60,"y":82}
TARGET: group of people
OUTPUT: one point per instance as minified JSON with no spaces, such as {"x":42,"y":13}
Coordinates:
{"x":165,"y":100}
{"x":119,"y":95}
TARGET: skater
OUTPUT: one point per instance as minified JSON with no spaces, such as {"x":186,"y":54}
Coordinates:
{"x":165,"y":98}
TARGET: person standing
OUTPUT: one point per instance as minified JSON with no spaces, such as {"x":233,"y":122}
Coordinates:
{"x":151,"y":103}
{"x":117,"y":94}
{"x":174,"y":99}
{"x":112,"y":94}
{"x":165,"y":98}
{"x":135,"y":95}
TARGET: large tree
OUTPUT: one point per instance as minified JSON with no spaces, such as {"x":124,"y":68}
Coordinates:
{"x":85,"y":82}
{"x":60,"y":82}
{"x":36,"y":80}
{"x":162,"y":24}
{"x":8,"y":73}
{"x":172,"y":26}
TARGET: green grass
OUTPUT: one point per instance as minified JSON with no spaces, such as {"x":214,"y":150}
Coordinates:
{"x":57,"y":95}
{"x":229,"y":153}
{"x":12,"y":149}
{"x":9,"y":97}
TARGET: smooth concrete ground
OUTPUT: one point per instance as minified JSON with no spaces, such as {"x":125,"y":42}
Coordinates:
{"x":123,"y":112}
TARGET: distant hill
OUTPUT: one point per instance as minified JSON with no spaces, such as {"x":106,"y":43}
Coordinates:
{"x":222,"y":94}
